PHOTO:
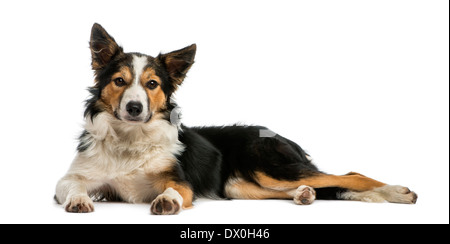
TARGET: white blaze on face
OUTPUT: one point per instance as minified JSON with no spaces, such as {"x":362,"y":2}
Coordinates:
{"x":136,"y":93}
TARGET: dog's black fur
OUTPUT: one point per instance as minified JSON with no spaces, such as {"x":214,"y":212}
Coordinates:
{"x":214,"y":154}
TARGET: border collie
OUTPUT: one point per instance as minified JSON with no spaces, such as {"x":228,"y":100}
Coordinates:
{"x":130,"y":151}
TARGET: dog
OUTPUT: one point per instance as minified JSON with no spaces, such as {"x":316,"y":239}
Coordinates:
{"x":132,"y":151}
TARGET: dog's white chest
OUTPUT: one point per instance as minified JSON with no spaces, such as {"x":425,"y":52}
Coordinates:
{"x":125,"y":157}
{"x":135,"y":187}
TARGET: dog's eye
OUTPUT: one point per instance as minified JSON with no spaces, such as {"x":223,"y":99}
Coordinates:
{"x":119,"y":81}
{"x":152,"y":84}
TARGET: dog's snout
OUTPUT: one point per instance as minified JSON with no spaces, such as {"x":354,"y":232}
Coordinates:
{"x":134,"y":108}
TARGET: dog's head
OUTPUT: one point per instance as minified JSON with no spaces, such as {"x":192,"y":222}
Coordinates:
{"x":134,"y":87}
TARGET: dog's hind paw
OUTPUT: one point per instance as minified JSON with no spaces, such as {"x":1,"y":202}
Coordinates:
{"x":397,"y":194}
{"x":387,"y":193}
{"x":304,"y":195}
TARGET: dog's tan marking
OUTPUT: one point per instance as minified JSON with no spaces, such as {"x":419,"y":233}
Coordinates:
{"x":352,"y":181}
{"x":156,"y":96}
{"x":241,"y":189}
{"x":184,"y":190}
{"x":125,"y":73}
{"x":112,"y":93}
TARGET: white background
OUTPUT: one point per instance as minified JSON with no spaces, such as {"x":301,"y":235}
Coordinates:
{"x":361,"y":85}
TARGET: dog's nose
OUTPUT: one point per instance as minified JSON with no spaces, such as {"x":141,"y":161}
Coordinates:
{"x":134,"y":108}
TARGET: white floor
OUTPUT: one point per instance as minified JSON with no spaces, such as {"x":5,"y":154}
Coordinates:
{"x":429,"y":209}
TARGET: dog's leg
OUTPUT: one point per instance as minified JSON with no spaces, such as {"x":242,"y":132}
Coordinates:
{"x":72,"y":192}
{"x":240,"y":189}
{"x":352,"y":181}
{"x":175,"y":196}
{"x":358,"y":186}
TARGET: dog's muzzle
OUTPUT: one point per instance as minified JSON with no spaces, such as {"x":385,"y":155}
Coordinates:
{"x":134,"y":109}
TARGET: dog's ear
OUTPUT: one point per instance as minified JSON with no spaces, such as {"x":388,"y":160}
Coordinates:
{"x":178,"y":63}
{"x":103,"y":47}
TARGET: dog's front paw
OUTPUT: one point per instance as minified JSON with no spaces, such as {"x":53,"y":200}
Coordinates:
{"x":165,"y":205}
{"x":79,"y":204}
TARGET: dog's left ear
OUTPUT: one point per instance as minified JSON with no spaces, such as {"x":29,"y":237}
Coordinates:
{"x":178,"y":62}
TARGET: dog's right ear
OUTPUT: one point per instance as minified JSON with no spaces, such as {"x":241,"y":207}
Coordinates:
{"x":103,"y":47}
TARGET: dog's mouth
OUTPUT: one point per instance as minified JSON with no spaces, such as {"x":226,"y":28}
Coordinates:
{"x":133,"y":119}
